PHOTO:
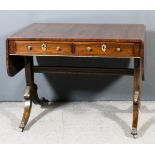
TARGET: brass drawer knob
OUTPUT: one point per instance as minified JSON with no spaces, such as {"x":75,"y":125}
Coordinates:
{"x":118,"y":49}
{"x":89,"y":49}
{"x":44,"y":47}
{"x":103,"y":48}
{"x":29,"y":48}
{"x":58,"y":48}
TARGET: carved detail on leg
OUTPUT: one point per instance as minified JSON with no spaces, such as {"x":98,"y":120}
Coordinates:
{"x":35,"y":97}
{"x":27,"y":108}
{"x":136,"y":97}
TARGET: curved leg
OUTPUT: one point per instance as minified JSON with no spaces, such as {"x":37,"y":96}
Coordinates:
{"x":30,"y":94}
{"x":136,"y":97}
{"x":27,"y":108}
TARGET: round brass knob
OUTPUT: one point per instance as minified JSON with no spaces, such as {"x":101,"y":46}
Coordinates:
{"x":29,"y":47}
{"x":44,"y":47}
{"x":89,"y":49}
{"x":58,"y":48}
{"x":118,"y":49}
{"x":104,"y":48}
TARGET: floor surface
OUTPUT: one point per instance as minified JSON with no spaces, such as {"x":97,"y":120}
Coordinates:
{"x":77,"y":122}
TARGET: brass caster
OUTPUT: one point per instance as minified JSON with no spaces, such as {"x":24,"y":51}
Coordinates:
{"x":21,"y":129}
{"x":135,"y":136}
{"x":21,"y":126}
{"x":134,"y":133}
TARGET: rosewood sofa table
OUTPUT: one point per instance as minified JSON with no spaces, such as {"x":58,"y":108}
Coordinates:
{"x":76,"y":40}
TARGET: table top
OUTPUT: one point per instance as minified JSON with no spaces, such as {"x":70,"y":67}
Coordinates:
{"x":82,"y":32}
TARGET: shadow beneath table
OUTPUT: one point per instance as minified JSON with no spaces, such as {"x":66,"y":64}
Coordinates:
{"x":64,"y":85}
{"x":107,"y":111}
{"x":14,"y":120}
{"x":148,"y":123}
{"x":110,"y":112}
{"x":48,"y":108}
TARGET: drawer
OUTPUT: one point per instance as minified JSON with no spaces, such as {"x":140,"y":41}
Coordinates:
{"x":105,"y":49}
{"x":41,"y":48}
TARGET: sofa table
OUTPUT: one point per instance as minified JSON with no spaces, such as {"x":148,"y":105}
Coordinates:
{"x":76,"y":40}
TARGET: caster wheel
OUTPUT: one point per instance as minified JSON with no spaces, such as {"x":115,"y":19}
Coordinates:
{"x":21,"y":129}
{"x":134,"y":133}
{"x":22,"y":126}
{"x":134,"y":136}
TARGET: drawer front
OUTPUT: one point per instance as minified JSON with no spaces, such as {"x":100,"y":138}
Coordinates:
{"x":105,"y":49}
{"x":41,"y":48}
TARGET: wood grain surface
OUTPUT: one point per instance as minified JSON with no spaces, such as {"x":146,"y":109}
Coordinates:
{"x":82,"y":32}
